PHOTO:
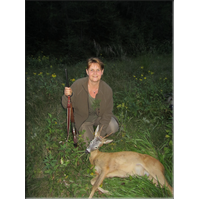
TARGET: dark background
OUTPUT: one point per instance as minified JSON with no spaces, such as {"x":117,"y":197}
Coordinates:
{"x":70,"y":28}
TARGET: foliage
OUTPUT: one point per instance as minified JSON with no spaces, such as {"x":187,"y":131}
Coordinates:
{"x":70,"y":28}
{"x":54,"y":167}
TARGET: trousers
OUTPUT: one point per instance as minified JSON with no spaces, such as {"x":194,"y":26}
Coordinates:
{"x":88,"y":129}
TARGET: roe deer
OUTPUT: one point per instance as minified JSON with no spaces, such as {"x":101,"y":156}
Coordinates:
{"x":122,"y":164}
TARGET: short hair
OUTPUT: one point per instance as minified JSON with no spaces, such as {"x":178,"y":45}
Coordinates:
{"x":95,"y":60}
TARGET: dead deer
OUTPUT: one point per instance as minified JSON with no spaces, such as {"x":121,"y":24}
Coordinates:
{"x":122,"y":164}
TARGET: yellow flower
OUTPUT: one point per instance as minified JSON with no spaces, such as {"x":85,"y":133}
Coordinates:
{"x":101,"y":185}
{"x":149,"y":71}
{"x":144,"y":77}
{"x":167,"y":136}
{"x":165,"y":78}
{"x":140,"y":79}
{"x":63,"y":84}
{"x":118,"y":106}
{"x":152,"y":73}
{"x":72,"y":80}
{"x":141,"y":67}
{"x":134,"y":76}
{"x":40,"y":73}
{"x":55,"y":122}
{"x":53,"y":75}
{"x":92,"y":174}
{"x":34,"y":73}
{"x":51,"y":66}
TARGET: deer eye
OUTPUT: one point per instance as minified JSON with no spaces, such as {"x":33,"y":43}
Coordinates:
{"x":96,"y":147}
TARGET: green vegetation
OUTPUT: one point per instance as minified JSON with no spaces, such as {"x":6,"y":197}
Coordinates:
{"x":55,"y":168}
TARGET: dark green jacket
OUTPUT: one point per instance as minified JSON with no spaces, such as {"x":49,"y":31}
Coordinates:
{"x":79,"y":101}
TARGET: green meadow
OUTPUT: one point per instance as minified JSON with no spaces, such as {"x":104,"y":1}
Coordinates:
{"x":55,"y":168}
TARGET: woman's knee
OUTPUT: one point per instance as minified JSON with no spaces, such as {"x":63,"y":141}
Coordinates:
{"x":113,"y":126}
{"x":86,"y":130}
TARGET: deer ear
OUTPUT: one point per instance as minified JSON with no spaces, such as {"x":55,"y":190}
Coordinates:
{"x":107,"y":141}
{"x":97,"y":131}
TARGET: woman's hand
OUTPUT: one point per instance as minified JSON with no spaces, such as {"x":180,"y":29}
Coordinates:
{"x":68,"y":91}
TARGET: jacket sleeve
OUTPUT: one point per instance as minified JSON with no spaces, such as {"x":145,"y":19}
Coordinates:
{"x":64,"y":101}
{"x":106,"y":116}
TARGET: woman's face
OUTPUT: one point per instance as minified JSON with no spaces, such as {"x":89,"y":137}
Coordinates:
{"x":94,"y":72}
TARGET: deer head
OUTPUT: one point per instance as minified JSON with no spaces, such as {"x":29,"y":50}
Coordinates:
{"x":97,"y":142}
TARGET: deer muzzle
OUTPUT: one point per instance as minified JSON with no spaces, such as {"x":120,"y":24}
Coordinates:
{"x":87,"y":151}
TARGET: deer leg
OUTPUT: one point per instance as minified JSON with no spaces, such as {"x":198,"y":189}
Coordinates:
{"x":156,"y":175}
{"x":104,"y":191}
{"x":94,"y":180}
{"x":99,"y":179}
{"x":99,"y":188}
{"x":159,"y":176}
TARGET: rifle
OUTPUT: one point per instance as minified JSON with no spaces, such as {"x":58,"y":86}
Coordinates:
{"x":70,"y":115}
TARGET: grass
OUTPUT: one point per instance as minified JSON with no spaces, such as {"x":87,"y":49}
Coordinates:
{"x":55,"y":168}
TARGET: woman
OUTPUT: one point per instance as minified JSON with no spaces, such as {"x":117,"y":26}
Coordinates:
{"x":92,"y":100}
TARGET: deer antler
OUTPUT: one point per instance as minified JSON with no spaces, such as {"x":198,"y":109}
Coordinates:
{"x":101,"y":129}
{"x":107,"y":135}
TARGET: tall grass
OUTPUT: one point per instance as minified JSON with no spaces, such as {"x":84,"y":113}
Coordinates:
{"x":55,"y":168}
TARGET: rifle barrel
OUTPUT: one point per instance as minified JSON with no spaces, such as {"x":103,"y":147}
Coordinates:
{"x":67,"y":82}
